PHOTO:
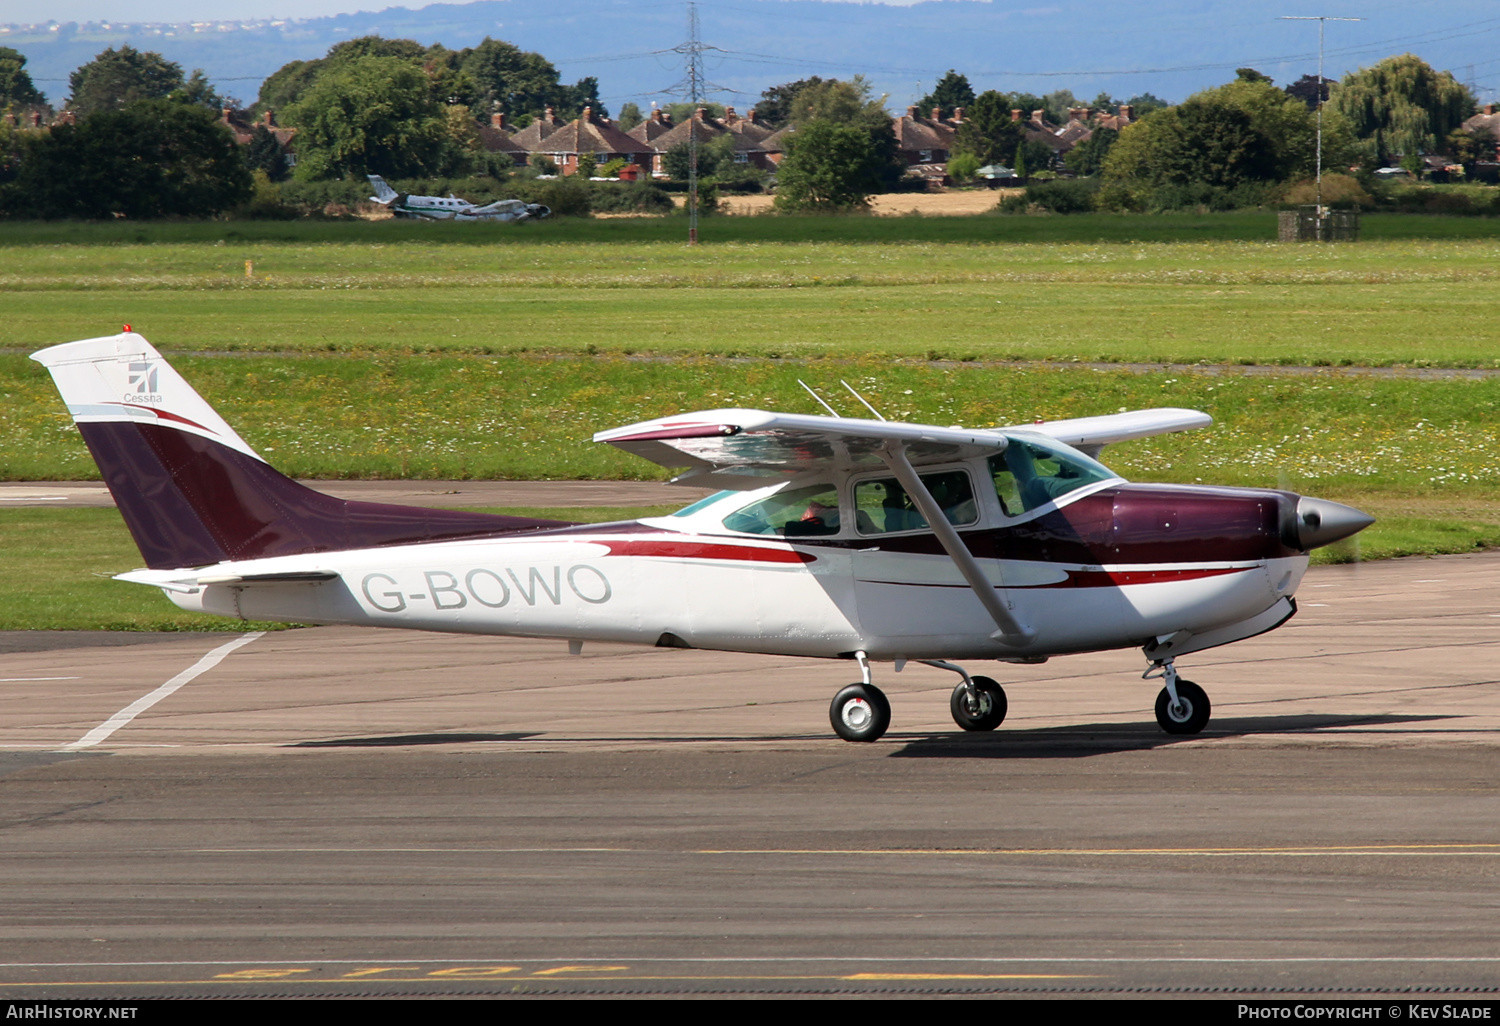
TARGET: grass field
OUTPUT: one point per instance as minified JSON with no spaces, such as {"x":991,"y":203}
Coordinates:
{"x":1411,"y":303}
{"x":414,"y":350}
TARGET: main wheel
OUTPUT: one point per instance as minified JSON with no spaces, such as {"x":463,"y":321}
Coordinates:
{"x":860,"y":712}
{"x":1189,"y":716}
{"x":983,"y":709}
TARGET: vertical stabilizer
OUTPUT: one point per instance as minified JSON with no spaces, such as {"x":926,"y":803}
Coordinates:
{"x":193,"y":492}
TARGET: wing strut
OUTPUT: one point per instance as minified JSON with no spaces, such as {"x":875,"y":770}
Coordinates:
{"x":1011,"y":631}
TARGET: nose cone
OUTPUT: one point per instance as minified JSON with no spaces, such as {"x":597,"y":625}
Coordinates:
{"x":1320,"y":522}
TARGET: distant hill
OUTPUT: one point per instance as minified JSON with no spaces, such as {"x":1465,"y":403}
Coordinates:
{"x":1175,"y":46}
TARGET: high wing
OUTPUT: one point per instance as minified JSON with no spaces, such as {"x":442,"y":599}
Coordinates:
{"x":1090,"y":434}
{"x":751,"y":448}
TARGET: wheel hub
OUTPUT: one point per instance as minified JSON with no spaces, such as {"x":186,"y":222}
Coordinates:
{"x":857,"y":714}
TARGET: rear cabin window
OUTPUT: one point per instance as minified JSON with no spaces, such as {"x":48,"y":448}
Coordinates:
{"x":799,"y":512}
{"x":881,"y":505}
{"x":1028,"y":475}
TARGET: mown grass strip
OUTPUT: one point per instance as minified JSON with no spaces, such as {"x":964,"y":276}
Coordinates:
{"x":1253,"y":225}
{"x":1442,"y":324}
{"x":381,"y":415}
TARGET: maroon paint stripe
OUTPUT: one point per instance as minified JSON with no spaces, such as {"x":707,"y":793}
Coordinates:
{"x":1098,"y":578}
{"x":164,"y":415}
{"x":685,"y":431}
{"x":702,"y":550}
{"x":1121,"y":578}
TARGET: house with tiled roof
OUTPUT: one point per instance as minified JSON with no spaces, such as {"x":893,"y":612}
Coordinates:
{"x":652,"y":129}
{"x":587,"y":134}
{"x":495,"y":137}
{"x":530,"y":138}
{"x":925,"y":140}
{"x":746,"y":133}
{"x":1485,"y":121}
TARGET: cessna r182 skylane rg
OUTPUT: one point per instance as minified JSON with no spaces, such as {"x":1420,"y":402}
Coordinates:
{"x":834,"y":537}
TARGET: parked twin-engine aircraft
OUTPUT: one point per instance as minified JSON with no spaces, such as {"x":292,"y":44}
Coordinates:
{"x":836,"y":537}
{"x":451,"y":208}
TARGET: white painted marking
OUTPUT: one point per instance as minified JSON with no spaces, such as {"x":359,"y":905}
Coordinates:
{"x":1317,"y":603}
{"x":1432,"y":580}
{"x":145,"y":702}
{"x":33,"y":498}
{"x":12,"y":680}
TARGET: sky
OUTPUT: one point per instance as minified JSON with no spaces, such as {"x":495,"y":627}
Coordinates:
{"x":36,"y":11}
{"x":29,"y":12}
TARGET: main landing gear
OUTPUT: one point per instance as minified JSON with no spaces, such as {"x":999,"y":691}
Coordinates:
{"x":861,"y":712}
{"x":1182,"y":707}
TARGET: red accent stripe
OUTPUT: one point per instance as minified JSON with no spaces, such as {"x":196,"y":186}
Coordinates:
{"x":706,"y":550}
{"x":1096,"y":578}
{"x":164,"y":415}
{"x":1120,"y":578}
{"x":681,"y":431}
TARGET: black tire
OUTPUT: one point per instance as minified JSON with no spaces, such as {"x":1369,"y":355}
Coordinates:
{"x":1191,"y":717}
{"x":992,"y":705}
{"x":860,"y":712}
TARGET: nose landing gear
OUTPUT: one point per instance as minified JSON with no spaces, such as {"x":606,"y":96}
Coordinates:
{"x":1182,"y":707}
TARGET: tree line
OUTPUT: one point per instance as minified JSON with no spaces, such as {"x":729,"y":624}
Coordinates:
{"x":143,"y":138}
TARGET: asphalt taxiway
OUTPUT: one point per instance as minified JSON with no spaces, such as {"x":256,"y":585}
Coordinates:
{"x":355,"y":812}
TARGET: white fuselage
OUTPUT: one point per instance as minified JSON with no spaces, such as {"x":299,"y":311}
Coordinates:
{"x":729,"y":593}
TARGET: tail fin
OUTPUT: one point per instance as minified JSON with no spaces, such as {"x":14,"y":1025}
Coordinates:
{"x":383,"y":192}
{"x":193,"y":492}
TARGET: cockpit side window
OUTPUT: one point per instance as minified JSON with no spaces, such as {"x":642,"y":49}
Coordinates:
{"x":798,"y":512}
{"x":881,"y":505}
{"x":1028,"y":475}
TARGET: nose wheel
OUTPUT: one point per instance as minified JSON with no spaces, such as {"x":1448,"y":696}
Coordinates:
{"x":1182,"y":707}
{"x":860,"y":712}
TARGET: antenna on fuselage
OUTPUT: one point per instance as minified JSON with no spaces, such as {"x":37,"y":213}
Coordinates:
{"x":831,"y":411}
{"x":861,"y":399}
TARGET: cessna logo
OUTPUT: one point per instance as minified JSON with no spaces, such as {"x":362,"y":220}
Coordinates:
{"x":142,"y":383}
{"x":490,"y":588}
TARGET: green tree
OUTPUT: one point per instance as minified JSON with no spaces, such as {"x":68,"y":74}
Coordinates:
{"x":523,"y":83}
{"x":630,"y":116}
{"x":370,"y":115}
{"x":680,"y":112}
{"x":715,"y":158}
{"x":988,"y":131}
{"x":1058,"y":103}
{"x":1286,"y":123}
{"x":264,"y":153}
{"x":1087,"y":158}
{"x":16,"y":87}
{"x":828,"y":167}
{"x":1401,"y":106}
{"x":1145,"y":103}
{"x":285,"y":86}
{"x":842,"y":102}
{"x":117,"y":78}
{"x":775,"y":107}
{"x":952,"y":90}
{"x":154,"y":158}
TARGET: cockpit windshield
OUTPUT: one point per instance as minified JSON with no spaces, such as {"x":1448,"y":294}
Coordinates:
{"x":796,"y":512}
{"x":1031,"y":474}
{"x":703,"y":503}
